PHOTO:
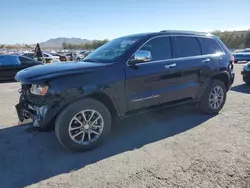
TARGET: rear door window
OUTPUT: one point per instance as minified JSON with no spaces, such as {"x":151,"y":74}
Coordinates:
{"x":186,"y":46}
{"x":209,"y":46}
{"x":159,"y":47}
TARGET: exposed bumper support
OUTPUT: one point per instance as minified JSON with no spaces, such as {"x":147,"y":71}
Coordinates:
{"x":41,"y":115}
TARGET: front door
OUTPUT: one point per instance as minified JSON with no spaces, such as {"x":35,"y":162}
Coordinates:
{"x":150,"y":83}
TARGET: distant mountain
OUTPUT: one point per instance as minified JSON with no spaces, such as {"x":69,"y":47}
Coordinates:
{"x":57,"y":42}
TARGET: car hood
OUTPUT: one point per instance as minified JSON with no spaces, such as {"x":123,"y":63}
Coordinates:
{"x":48,"y":71}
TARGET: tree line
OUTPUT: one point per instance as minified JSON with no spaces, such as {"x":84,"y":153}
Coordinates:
{"x":234,"y":39}
{"x":8,"y":46}
{"x":88,"y":46}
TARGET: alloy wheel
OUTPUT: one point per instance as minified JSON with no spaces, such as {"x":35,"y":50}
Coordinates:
{"x":216,"y":97}
{"x":86,"y":126}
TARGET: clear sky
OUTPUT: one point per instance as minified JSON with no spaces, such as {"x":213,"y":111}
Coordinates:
{"x":31,"y":21}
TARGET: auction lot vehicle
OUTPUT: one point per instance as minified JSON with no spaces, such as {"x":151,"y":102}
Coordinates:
{"x":75,"y":56}
{"x":246,"y":73}
{"x":51,"y":58}
{"x":11,"y":64}
{"x":241,"y":55}
{"x":61,"y":56}
{"x":125,"y":76}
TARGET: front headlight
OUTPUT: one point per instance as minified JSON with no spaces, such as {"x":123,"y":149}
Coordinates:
{"x":38,"y":89}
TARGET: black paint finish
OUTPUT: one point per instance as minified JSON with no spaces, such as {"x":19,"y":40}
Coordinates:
{"x":129,"y":88}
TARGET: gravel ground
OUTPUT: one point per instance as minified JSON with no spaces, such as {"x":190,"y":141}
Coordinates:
{"x":177,"y":147}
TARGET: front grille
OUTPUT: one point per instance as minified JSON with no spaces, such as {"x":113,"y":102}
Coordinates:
{"x":24,"y":90}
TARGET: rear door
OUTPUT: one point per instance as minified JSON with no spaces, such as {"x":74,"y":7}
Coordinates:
{"x":189,"y":60}
{"x":212,"y":51}
{"x":197,"y":57}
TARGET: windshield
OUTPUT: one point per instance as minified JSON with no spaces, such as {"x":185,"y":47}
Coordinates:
{"x":112,"y":50}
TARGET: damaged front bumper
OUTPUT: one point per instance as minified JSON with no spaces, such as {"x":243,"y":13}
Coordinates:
{"x":41,"y":112}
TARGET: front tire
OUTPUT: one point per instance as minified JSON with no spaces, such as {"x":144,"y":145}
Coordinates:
{"x":214,"y":97}
{"x":83,"y":125}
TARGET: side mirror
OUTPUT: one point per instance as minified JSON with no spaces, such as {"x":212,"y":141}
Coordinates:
{"x":140,"y":56}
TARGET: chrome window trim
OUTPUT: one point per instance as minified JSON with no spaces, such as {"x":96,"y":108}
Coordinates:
{"x":178,"y":58}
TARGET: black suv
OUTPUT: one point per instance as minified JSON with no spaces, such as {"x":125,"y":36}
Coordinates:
{"x":123,"y":77}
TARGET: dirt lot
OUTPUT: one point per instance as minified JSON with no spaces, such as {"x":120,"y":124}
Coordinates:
{"x":177,"y":147}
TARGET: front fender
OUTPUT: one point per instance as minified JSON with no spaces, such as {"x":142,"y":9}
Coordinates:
{"x":75,"y":87}
{"x":54,"y":108}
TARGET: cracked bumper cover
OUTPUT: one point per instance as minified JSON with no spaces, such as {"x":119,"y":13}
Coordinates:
{"x":41,"y":115}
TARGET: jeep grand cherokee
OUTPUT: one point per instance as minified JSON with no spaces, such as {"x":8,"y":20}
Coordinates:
{"x":123,"y":77}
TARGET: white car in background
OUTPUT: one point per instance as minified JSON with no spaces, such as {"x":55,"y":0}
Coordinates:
{"x":54,"y":58}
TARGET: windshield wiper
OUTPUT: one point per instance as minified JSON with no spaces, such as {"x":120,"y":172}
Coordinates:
{"x":97,"y":60}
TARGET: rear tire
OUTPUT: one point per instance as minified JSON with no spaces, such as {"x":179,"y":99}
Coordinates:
{"x":76,"y":125}
{"x":214,"y":97}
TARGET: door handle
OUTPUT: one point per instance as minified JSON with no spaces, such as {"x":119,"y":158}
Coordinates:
{"x":205,"y":61}
{"x":170,"y":66}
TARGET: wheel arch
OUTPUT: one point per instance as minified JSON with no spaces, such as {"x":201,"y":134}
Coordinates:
{"x":106,"y":100}
{"x":99,"y":96}
{"x":102,"y":97}
{"x":222,"y":76}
